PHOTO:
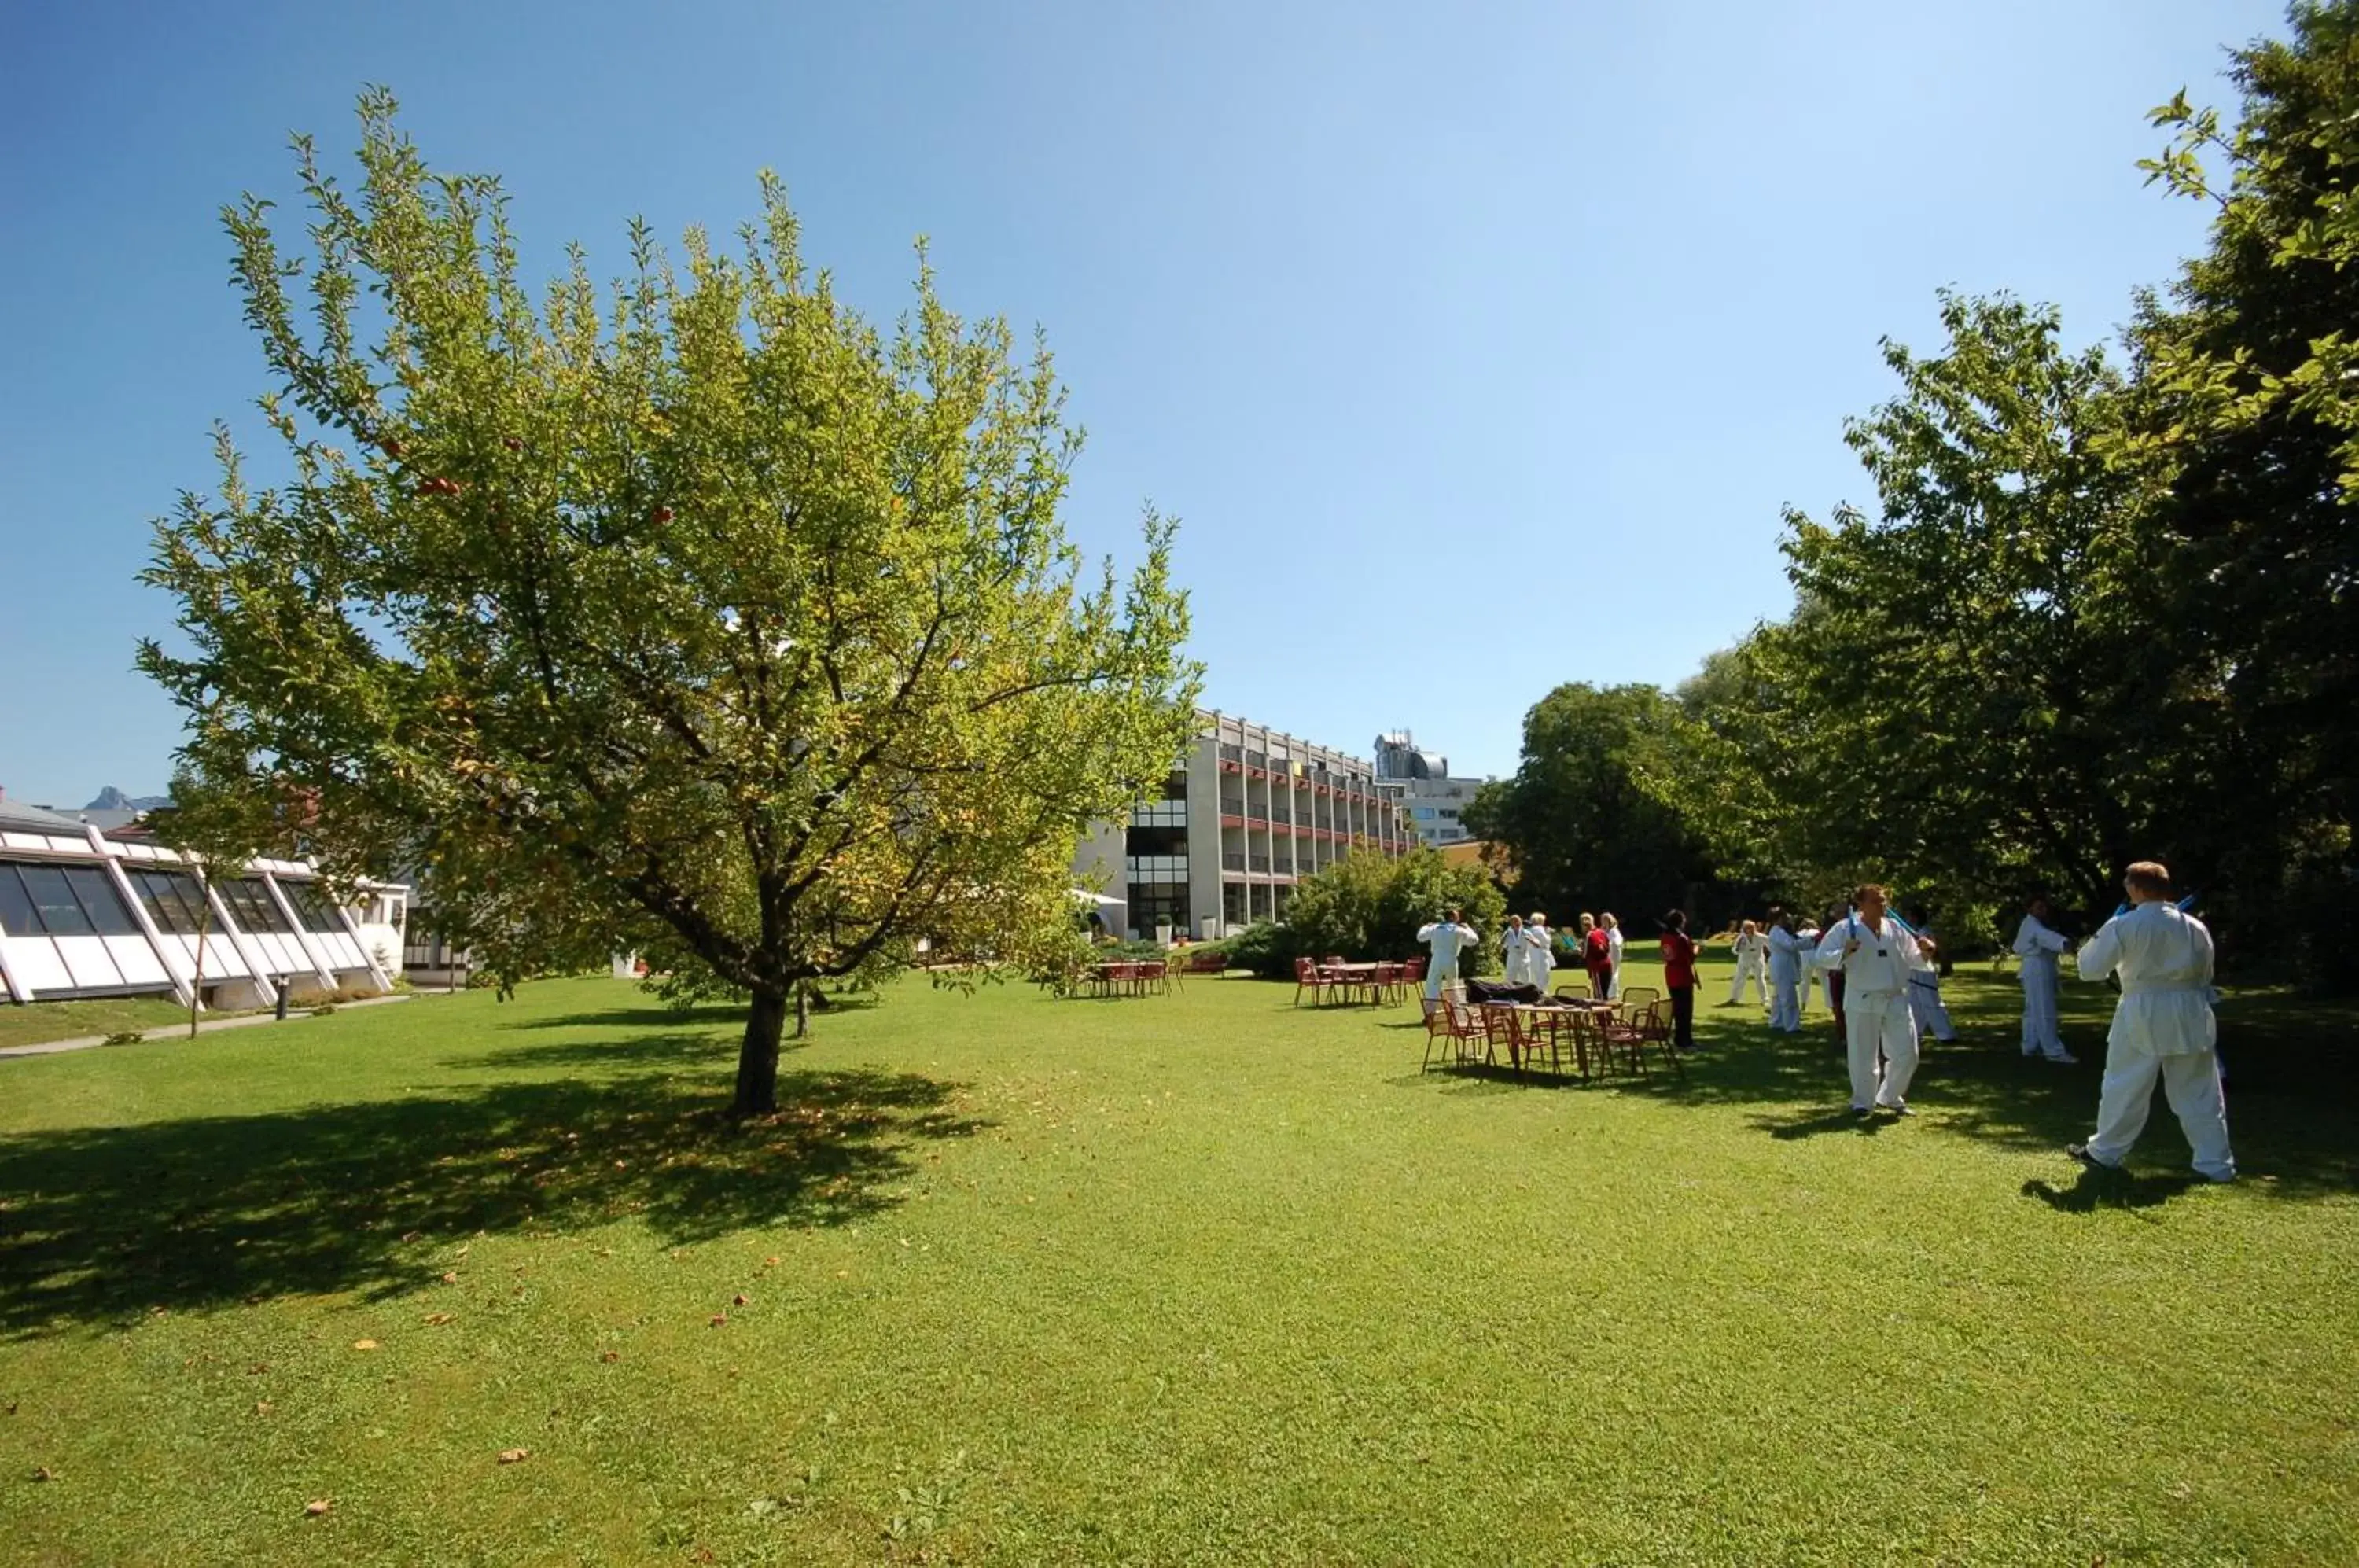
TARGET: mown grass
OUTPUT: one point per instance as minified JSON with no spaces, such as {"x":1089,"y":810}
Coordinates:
{"x":1203,"y":1278}
{"x":35,"y":1023}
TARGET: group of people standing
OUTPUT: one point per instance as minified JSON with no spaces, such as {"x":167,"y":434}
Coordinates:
{"x":1882,"y":982}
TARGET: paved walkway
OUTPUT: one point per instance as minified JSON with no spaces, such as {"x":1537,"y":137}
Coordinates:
{"x":181,"y":1032}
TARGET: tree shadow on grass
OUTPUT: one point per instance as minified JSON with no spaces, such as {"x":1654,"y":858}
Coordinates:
{"x":2293,"y":1098}
{"x":100,"y":1223}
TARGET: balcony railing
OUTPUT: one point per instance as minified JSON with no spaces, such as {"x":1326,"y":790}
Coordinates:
{"x":1257,"y":862}
{"x":1232,"y":863}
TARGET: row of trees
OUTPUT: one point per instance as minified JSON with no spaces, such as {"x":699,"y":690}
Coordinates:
{"x":2103,"y":609}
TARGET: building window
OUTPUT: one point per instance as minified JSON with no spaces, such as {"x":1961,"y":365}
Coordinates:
{"x":256,"y":909}
{"x":1156,"y":904}
{"x":174,"y":901}
{"x":61,"y":900}
{"x":315,"y":910}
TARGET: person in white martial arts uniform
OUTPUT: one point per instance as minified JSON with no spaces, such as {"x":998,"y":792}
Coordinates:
{"x":1785,"y":973}
{"x":2037,"y":944}
{"x":1925,"y":992}
{"x":2163,"y":1028}
{"x":1874,"y":953}
{"x":1445,"y":938}
{"x":1613,"y":955}
{"x":1751,"y":950}
{"x":1513,"y":966}
{"x":1542,"y":960}
{"x":1806,"y":966}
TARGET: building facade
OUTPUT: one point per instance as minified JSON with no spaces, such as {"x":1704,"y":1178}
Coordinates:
{"x":1420,"y":783}
{"x":1244,"y":816}
{"x":85,"y":915}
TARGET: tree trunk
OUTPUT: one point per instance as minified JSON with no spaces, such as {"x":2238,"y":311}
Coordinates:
{"x":758,"y":1058}
{"x":802,"y":1009}
{"x":197,"y":987}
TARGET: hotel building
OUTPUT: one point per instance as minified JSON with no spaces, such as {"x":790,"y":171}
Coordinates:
{"x":1245,"y":814}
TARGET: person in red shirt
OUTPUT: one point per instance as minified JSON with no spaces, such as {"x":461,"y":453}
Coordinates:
{"x":1680,"y":977}
{"x":1596,"y":956}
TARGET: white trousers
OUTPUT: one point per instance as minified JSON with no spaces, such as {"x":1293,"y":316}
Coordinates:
{"x":1613,"y":982}
{"x":1932,"y":1013}
{"x":1437,"y":975}
{"x":2190,"y":1081}
{"x":1785,"y":1010}
{"x":1749,"y":967}
{"x":2039,"y":1032}
{"x":1880,"y":1021}
{"x":1811,"y":977}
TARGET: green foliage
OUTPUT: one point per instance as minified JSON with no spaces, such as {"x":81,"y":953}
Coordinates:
{"x":1969,"y":688}
{"x":1367,"y":906}
{"x":699,"y":619}
{"x":1597,"y":814}
{"x":1266,"y":948}
{"x":2251,"y":393}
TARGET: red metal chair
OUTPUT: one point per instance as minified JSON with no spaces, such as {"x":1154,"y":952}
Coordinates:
{"x":1452,"y":1025}
{"x":1309,"y":975}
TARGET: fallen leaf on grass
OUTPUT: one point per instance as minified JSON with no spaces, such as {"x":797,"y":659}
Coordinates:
{"x":451,"y":1276}
{"x":365,"y":1344}
{"x":738,"y":1299}
{"x":317,"y":1507}
{"x":612,"y":1355}
{"x":515,"y":1455}
{"x":262,"y":1407}
{"x":43,"y":1472}
{"x":769,"y":1263}
{"x":720,"y":1318}
{"x":436,"y":1319}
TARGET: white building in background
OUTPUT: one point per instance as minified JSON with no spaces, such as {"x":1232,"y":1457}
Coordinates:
{"x":1420,"y":782}
{"x":85,"y":915}
{"x":1244,"y":815}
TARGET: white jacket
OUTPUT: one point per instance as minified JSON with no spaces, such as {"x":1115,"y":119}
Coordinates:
{"x":2164,"y":959}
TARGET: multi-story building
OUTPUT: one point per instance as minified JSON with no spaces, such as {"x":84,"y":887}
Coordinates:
{"x":1245,"y":814}
{"x":1420,"y":782}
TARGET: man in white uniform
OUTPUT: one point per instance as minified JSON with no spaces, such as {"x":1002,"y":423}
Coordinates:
{"x":2038,"y":946}
{"x":1445,"y":938}
{"x":1785,"y":973}
{"x":2163,"y":1028}
{"x":1875,"y":953}
{"x":1751,"y":950}
{"x":1805,"y":965}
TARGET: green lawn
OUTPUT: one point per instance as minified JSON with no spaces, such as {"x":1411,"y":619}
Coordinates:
{"x":34,"y":1023}
{"x":1203,"y":1278}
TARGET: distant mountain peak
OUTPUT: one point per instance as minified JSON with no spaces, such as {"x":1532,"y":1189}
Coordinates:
{"x":114,"y":800}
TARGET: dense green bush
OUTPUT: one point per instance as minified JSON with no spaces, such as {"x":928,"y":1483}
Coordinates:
{"x":1370,"y":908}
{"x":1263,"y":947}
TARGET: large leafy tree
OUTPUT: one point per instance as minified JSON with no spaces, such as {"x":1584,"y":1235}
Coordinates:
{"x":2252,"y":391}
{"x":1982,"y":694}
{"x":1584,"y":826}
{"x":694,"y":616}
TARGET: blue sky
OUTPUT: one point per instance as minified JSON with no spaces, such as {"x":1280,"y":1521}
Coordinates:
{"x":1476,"y":346}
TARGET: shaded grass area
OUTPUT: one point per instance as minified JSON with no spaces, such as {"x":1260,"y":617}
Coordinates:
{"x":1206,"y":1277}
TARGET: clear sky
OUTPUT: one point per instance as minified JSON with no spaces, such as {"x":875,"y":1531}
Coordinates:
{"x":1476,"y":346}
